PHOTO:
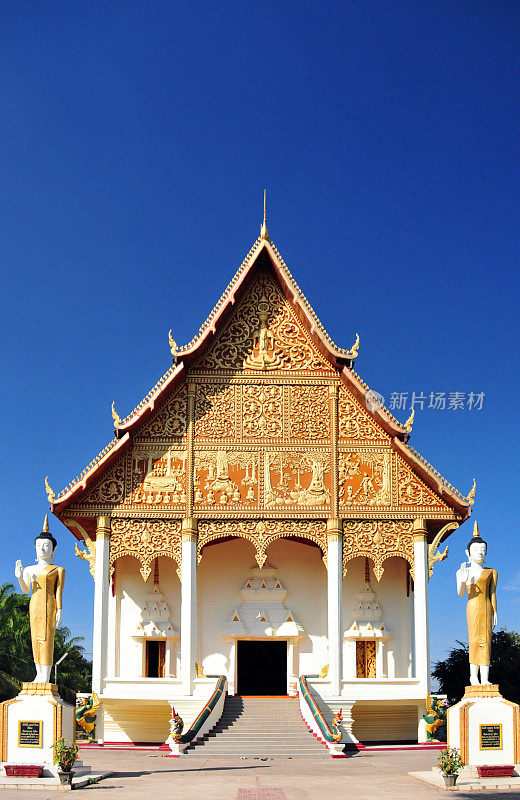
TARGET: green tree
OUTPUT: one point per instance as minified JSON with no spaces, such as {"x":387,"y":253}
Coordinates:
{"x":16,"y":659}
{"x":453,"y":673}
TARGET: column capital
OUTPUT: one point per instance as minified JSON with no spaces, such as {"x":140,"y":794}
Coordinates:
{"x":334,"y":530}
{"x":192,"y":388}
{"x":419,"y":530}
{"x":103,"y":524}
{"x":189,"y":529}
{"x":333,"y":390}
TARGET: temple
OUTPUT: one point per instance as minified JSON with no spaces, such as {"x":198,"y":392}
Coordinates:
{"x":259,"y":516}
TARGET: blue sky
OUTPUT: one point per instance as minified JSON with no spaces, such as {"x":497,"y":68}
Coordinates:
{"x":136,"y":141}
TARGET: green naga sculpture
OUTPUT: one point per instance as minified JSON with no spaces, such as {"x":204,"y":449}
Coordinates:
{"x":86,"y":710}
{"x":435,"y":716}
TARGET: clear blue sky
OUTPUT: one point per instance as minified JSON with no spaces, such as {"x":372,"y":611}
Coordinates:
{"x":136,"y":141}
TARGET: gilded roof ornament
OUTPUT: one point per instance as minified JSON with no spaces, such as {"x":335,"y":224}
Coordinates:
{"x":408,"y":425}
{"x":173,"y":346}
{"x":354,"y":350}
{"x":115,"y":417}
{"x":51,"y":494}
{"x":433,"y":556}
{"x":471,"y":495}
{"x":264,"y":233}
{"x":88,"y":555}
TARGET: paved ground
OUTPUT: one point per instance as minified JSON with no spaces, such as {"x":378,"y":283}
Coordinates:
{"x":152,"y":776}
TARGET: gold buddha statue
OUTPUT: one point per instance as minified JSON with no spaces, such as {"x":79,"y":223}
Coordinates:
{"x":46,"y":581}
{"x":481,"y":611}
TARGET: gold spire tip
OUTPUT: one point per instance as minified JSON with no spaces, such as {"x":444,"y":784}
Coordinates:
{"x":45,"y":528}
{"x":264,"y":233}
{"x":475,"y":529}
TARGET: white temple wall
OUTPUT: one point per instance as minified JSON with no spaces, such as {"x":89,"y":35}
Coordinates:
{"x":220,"y":577}
{"x":131,"y":592}
{"x":397,"y":614}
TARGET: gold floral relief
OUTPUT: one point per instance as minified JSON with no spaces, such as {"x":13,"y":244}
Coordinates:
{"x":355,"y":422}
{"x":296,"y":478}
{"x":309,"y":417}
{"x":377,"y":540}
{"x":111,"y":489}
{"x":365,"y":659}
{"x":262,"y":411}
{"x":413,"y":492}
{"x":159,"y":477}
{"x":263,"y":335}
{"x":170,"y":421}
{"x":146,"y":540}
{"x":215,"y":411}
{"x":365,"y":478}
{"x":262,"y":533}
{"x":226,"y":478}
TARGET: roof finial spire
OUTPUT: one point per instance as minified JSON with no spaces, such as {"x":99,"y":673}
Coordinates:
{"x":264,"y":233}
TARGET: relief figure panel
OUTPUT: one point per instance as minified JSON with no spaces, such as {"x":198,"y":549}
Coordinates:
{"x":296,"y":478}
{"x":226,"y":478}
{"x":159,"y":478}
{"x":365,"y":477}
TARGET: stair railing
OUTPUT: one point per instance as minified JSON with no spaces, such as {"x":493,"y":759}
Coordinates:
{"x":210,"y":714}
{"x":316,"y":721}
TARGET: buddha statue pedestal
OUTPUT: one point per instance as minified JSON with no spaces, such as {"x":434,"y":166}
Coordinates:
{"x":31,"y":723}
{"x":485,"y":727}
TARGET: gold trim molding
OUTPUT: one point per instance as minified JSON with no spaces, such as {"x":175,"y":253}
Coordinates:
{"x":261,"y":533}
{"x":146,"y":540}
{"x":377,"y":540}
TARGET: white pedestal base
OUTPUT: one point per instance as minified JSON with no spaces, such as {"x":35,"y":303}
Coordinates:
{"x":31,"y":723}
{"x":485,"y":727}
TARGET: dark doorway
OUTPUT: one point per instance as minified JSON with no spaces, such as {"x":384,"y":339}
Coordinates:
{"x":155,"y":657}
{"x":262,"y":667}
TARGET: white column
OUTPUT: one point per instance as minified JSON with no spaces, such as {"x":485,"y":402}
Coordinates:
{"x":335,"y":604}
{"x":188,"y":604}
{"x":101,"y":597}
{"x":111,"y":634}
{"x":420,"y":605}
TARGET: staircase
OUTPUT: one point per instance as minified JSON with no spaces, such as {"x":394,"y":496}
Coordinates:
{"x":259,"y":727}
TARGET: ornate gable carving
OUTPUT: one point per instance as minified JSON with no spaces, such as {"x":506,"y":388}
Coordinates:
{"x":110,"y":489}
{"x":355,"y":422}
{"x":170,"y":421}
{"x":263,"y":335}
{"x":413,"y":493}
{"x":216,"y":411}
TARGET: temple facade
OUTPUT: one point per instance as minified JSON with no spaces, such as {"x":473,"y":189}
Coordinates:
{"x":259,"y":515}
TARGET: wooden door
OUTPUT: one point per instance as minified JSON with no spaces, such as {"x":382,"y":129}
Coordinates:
{"x":366,"y":659}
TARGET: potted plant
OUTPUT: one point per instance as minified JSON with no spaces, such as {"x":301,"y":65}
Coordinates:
{"x":450,"y":762}
{"x":65,"y":754}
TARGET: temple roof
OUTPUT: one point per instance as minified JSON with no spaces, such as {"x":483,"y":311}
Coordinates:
{"x":262,"y":254}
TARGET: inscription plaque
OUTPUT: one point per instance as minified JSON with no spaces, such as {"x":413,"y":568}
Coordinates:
{"x":490,"y":737}
{"x":30,"y":733}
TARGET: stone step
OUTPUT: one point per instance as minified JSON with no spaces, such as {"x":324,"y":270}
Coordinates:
{"x":255,"y":728}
